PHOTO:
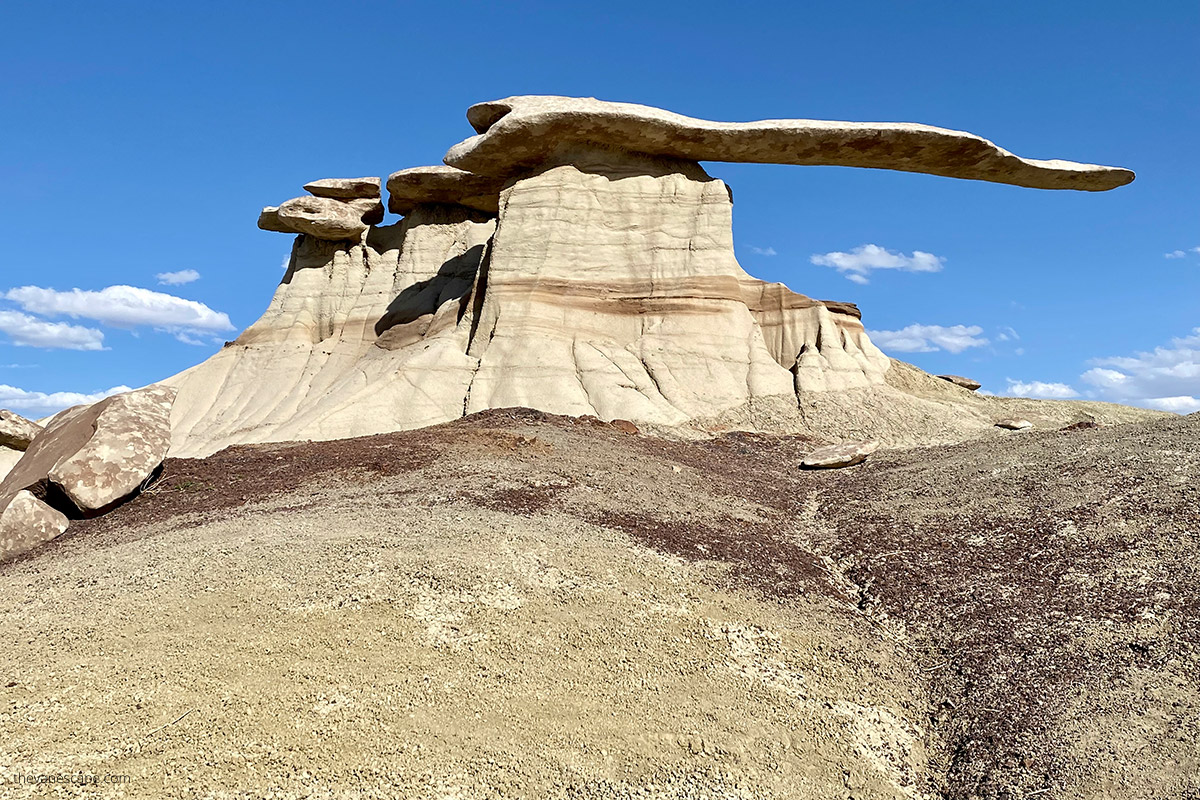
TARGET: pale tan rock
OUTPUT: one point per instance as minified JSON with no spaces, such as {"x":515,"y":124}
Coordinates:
{"x":8,"y":459}
{"x":519,"y":133}
{"x":1014,"y":424}
{"x":269,"y":220}
{"x":959,"y":380}
{"x":323,"y":218}
{"x":632,"y":306}
{"x":16,"y":431}
{"x":835,"y":456}
{"x":98,"y":454}
{"x":345,"y":188}
{"x":409,"y":188}
{"x":25,"y":523}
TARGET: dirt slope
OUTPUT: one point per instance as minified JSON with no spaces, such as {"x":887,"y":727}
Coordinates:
{"x":515,"y":605}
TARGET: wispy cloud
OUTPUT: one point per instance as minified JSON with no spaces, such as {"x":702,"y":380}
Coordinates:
{"x":929,"y":338}
{"x":1182,"y":253}
{"x":1040,"y":389}
{"x":763,"y":251}
{"x":26,"y":331}
{"x":39,"y":404}
{"x":1007,"y":334}
{"x":178,"y":278}
{"x":859,"y":262}
{"x":1166,"y":378}
{"x":123,"y":307}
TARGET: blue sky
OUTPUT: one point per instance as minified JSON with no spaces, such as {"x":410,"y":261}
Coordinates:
{"x":141,"y":140}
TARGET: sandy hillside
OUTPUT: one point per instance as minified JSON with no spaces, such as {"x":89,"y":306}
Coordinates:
{"x":516,"y":605}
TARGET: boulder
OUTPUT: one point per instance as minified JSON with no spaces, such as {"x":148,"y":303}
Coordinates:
{"x":324,"y":218}
{"x":25,"y":523}
{"x":100,"y":454}
{"x":624,"y":426}
{"x":959,"y":380}
{"x":517,"y":134}
{"x":8,"y":459}
{"x":1014,"y":424}
{"x":345,"y":188}
{"x":370,"y":211}
{"x":269,"y":220}
{"x":16,"y":431}
{"x":846,"y":454}
{"x":409,"y":188}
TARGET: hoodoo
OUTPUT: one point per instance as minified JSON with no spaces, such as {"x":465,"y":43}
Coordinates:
{"x":574,"y":257}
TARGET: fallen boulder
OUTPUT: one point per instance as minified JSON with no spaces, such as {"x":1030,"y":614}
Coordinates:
{"x":100,"y":454}
{"x":959,"y":380}
{"x":344,"y":188}
{"x":25,"y":523}
{"x":1014,"y":424}
{"x":16,"y":431}
{"x":846,"y":454}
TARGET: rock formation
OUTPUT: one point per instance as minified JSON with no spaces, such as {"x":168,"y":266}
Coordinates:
{"x":583,"y":265}
{"x":966,"y":383}
{"x":87,"y":460}
{"x":16,"y":433}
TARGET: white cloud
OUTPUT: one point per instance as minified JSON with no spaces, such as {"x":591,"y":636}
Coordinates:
{"x":1166,"y":378}
{"x":861,"y":280}
{"x":929,"y":338}
{"x":1181,"y":253}
{"x":26,"y":331}
{"x":1183,"y":404}
{"x":1007,"y":334}
{"x":763,"y":251}
{"x":178,"y":278}
{"x":123,"y":307}
{"x":40,"y":404}
{"x":1040,"y":389}
{"x":858,"y":263}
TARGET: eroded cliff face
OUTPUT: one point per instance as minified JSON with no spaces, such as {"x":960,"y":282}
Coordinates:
{"x":606,"y":285}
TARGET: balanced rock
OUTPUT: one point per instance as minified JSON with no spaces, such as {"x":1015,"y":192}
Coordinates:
{"x":17,"y":432}
{"x":576,"y":258}
{"x":98,"y":455}
{"x":345,"y":188}
{"x":325,"y":218}
{"x":519,"y":133}
{"x":959,"y":380}
{"x":846,"y":454}
{"x":410,"y":188}
{"x":25,"y":523}
{"x":1014,"y":424}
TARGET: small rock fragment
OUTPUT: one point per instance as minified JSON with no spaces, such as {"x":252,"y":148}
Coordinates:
{"x":1014,"y":424}
{"x":959,"y":380}
{"x":345,"y":188}
{"x":624,"y":425}
{"x":846,"y":454}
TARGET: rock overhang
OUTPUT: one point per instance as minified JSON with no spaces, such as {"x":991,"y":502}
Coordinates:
{"x":516,"y":134}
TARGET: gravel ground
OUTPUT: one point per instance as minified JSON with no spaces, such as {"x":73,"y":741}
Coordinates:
{"x":520,"y":605}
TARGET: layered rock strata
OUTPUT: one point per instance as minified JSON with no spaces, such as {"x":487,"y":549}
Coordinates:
{"x":584,"y":266}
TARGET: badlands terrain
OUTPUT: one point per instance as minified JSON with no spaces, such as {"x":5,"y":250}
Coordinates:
{"x":522,"y":605}
{"x":505,"y":499}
